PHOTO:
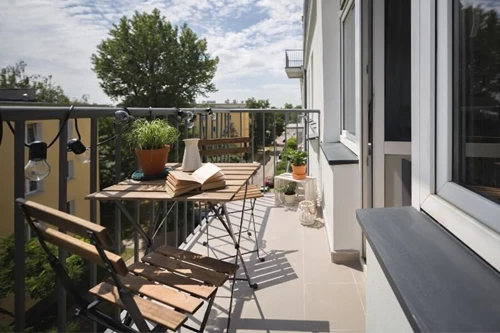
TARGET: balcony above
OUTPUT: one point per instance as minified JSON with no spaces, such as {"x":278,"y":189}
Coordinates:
{"x":294,"y":64}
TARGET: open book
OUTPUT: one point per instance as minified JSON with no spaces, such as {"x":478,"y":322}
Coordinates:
{"x":208,"y":177}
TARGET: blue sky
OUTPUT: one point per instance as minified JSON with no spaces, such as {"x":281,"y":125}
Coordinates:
{"x":58,"y":36}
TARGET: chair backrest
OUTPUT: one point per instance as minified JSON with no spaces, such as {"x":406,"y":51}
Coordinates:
{"x":220,"y":149}
{"x":66,"y":222}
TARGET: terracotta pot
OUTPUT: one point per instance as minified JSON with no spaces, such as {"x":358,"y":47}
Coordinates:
{"x":299,"y":172}
{"x":152,"y":162}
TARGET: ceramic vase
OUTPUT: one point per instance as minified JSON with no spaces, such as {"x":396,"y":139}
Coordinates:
{"x":192,"y":159}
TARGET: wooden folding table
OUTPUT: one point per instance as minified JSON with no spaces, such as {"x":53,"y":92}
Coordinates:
{"x":237,"y":177}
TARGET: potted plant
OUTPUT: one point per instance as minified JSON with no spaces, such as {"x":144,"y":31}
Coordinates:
{"x":298,"y":158}
{"x":152,"y":140}
{"x":289,"y":192}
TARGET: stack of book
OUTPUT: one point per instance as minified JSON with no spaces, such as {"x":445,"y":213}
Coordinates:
{"x":208,"y":177}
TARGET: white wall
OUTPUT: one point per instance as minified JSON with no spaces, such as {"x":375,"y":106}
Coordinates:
{"x":383,"y":312}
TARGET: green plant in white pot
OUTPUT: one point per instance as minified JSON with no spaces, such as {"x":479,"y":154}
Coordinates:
{"x":289,"y":191}
{"x":152,"y":140}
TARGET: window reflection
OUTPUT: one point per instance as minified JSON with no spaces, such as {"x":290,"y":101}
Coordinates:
{"x":476,"y":116}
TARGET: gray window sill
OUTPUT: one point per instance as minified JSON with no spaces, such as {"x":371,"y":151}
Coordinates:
{"x":336,"y":153}
{"x":441,"y":285}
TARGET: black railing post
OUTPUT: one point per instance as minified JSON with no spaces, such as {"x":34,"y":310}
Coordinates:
{"x":94,"y":132}
{"x":19,"y":231}
{"x":63,"y":206}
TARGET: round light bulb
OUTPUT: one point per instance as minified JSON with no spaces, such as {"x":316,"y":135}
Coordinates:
{"x":213,"y":116}
{"x":83,"y":157}
{"x":190,"y":124}
{"x":36,"y":170}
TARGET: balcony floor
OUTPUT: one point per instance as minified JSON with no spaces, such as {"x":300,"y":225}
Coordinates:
{"x":300,"y":289}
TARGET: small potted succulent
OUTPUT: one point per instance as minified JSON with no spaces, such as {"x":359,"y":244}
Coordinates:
{"x":288,"y":191}
{"x":152,"y":140}
{"x":298,"y":159}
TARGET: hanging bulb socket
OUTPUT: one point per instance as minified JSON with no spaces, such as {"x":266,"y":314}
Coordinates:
{"x":123,"y":116}
{"x":212,"y":114}
{"x":82,"y":153}
{"x":37,"y":167}
{"x":38,"y":151}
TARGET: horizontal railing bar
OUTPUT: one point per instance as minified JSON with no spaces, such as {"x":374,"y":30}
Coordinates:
{"x":12,"y":113}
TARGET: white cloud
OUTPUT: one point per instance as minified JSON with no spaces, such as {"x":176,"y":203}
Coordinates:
{"x":58,"y":37}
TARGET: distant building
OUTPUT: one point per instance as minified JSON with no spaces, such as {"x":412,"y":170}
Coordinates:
{"x":227,"y":124}
{"x":17,"y":95}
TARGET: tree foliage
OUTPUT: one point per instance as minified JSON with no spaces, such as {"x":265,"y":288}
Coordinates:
{"x":40,"y":278}
{"x":46,"y":91}
{"x":14,"y":76}
{"x":146,"y":61}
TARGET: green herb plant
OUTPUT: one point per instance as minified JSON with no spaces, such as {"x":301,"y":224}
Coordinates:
{"x":154,"y":134}
{"x":288,"y":189}
{"x":297,"y":157}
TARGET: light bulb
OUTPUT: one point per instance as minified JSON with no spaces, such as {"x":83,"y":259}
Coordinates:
{"x":83,"y":157}
{"x":123,"y":117}
{"x":213,"y":116}
{"x":189,"y":119}
{"x":82,"y":153}
{"x":37,"y":167}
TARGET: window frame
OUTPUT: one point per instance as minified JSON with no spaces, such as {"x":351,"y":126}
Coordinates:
{"x":347,"y":138}
{"x":71,"y":169}
{"x":473,"y":204}
{"x":38,"y":131}
{"x":467,"y":215}
{"x":39,"y":187}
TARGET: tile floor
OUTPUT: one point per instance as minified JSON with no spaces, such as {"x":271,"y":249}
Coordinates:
{"x":300,"y":289}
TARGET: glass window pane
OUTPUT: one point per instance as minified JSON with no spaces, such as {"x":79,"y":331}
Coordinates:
{"x":398,"y":70}
{"x":476,"y":111}
{"x":348,"y":87}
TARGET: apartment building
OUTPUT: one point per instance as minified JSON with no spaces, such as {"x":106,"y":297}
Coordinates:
{"x":45,"y":191}
{"x":410,"y":119}
{"x":226,"y":124}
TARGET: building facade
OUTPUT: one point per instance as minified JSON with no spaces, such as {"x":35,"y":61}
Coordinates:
{"x":410,"y":117}
{"x":45,"y":191}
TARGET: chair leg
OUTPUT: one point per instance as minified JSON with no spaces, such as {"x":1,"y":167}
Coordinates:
{"x":252,"y":218}
{"x":231,"y":303}
{"x":207,"y":313}
{"x":252,"y":205}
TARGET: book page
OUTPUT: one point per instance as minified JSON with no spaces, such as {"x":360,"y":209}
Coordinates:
{"x":183,"y":176}
{"x":206,"y":172}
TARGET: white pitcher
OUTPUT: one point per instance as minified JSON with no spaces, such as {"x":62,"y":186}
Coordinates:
{"x":191,"y":160}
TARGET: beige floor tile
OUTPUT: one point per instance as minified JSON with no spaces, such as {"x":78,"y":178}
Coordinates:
{"x":300,"y":289}
{"x":339,"y":304}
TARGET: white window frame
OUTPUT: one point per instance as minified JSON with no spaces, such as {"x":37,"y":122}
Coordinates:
{"x":71,"y":207}
{"x":38,"y":132}
{"x":351,"y":140}
{"x":71,"y":169}
{"x":70,"y":128}
{"x":470,"y":217}
{"x":39,"y":187}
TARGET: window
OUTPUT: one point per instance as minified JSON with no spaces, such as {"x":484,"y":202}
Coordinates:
{"x":70,"y":129}
{"x":32,"y":187}
{"x":71,"y":169}
{"x":70,"y":207}
{"x":476,"y":97}
{"x":348,"y":74}
{"x":33,"y":132}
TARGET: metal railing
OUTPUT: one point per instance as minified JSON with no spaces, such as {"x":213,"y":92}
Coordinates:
{"x":294,"y":58}
{"x":266,"y":147}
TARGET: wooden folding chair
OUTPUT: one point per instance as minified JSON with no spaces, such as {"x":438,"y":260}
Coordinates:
{"x":158,"y":293}
{"x":220,"y":150}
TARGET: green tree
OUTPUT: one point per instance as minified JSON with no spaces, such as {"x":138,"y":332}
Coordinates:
{"x":146,"y":61}
{"x":260,"y":130}
{"x":46,"y":91}
{"x":40,"y":278}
